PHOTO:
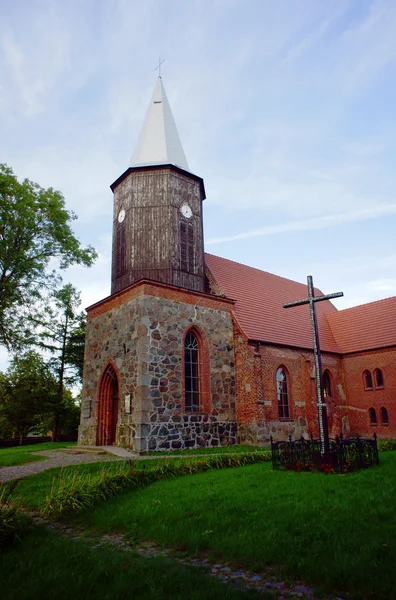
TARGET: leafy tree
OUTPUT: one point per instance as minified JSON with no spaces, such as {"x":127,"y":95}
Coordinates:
{"x":28,"y":392}
{"x":61,"y":331}
{"x":69,"y":417}
{"x":34,"y":229}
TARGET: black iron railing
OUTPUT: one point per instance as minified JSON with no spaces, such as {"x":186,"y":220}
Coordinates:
{"x":344,"y":455}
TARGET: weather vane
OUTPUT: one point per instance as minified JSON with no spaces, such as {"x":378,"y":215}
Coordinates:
{"x":159,"y":66}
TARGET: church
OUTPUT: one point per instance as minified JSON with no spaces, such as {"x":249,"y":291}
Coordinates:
{"x":191,"y":350}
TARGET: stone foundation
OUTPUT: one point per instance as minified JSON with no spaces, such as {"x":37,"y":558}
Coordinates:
{"x":260,"y":432}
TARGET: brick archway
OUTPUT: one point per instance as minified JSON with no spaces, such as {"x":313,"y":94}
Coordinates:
{"x":107,"y":408}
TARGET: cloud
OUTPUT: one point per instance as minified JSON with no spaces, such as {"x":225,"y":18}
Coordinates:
{"x":35,"y":68}
{"x":316,"y":223}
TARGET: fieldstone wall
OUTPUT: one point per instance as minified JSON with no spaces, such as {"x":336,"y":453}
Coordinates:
{"x":143,"y":338}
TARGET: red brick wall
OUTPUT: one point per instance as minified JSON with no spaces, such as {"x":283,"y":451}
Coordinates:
{"x":299,"y":366}
{"x":359,"y":400}
{"x":246,"y":378}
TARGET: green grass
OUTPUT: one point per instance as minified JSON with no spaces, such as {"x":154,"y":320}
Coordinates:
{"x":336,"y":531}
{"x":217,"y":450}
{"x":19,"y":455}
{"x":51,"y":566}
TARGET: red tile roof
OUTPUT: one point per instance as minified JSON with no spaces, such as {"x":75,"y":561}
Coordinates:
{"x":365,"y":327}
{"x":259,"y":307}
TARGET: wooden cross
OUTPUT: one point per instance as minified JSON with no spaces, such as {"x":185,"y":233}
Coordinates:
{"x":159,"y":66}
{"x":322,"y":413}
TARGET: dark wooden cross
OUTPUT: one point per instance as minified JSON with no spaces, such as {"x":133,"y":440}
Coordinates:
{"x":159,"y":66}
{"x":322,"y":413}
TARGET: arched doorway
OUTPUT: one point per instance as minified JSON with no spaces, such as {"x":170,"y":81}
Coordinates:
{"x":107,"y":408}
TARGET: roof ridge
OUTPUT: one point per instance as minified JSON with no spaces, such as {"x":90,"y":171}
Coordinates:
{"x":343,"y":310}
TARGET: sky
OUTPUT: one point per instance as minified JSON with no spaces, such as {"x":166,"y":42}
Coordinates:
{"x":286,"y":109}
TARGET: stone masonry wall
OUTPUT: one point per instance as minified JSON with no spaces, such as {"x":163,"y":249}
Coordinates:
{"x":166,"y":423}
{"x":111,"y":337}
{"x":141,"y":332}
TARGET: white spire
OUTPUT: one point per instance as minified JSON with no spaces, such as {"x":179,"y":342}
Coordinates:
{"x":159,"y":142}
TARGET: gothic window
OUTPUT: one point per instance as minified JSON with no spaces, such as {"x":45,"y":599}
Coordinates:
{"x":378,"y":377}
{"x":191,"y":372}
{"x":120,"y":253}
{"x":282,"y":394}
{"x":327,"y":385}
{"x":384,"y":416}
{"x":186,"y":246}
{"x":373,"y":416}
{"x":368,"y":380}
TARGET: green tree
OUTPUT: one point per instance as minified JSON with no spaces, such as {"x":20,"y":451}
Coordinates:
{"x":61,"y":331}
{"x":35,"y":228}
{"x":28,"y":392}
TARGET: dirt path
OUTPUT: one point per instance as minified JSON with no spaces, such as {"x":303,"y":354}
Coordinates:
{"x":56,"y":458}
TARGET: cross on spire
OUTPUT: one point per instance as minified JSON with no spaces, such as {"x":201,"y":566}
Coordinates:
{"x":322,"y":413}
{"x":159,"y":66}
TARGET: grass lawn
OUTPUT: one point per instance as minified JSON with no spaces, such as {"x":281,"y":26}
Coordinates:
{"x":335,"y":531}
{"x":19,"y":455}
{"x":51,"y":566}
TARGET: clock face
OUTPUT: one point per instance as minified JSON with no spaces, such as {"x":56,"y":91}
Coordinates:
{"x":121,"y":215}
{"x":186,"y":211}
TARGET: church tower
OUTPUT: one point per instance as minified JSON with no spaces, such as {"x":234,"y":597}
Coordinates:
{"x":159,"y":363}
{"x":157,"y":220}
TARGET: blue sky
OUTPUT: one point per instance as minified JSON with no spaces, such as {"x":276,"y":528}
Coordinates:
{"x":286,"y":108}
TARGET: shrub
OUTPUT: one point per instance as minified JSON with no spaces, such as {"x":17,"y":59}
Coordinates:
{"x":385,"y":445}
{"x":12,"y":521}
{"x":74,"y":490}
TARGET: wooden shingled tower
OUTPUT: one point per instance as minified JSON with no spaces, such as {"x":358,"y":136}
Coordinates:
{"x":157,"y":221}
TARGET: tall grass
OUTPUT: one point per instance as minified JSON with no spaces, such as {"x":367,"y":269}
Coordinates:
{"x":72,"y":491}
{"x":12,"y":522}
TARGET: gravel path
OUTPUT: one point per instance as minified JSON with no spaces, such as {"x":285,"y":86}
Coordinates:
{"x":56,"y":458}
{"x":266,"y":582}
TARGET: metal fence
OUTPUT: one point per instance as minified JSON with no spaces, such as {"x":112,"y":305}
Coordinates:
{"x":343,"y":456}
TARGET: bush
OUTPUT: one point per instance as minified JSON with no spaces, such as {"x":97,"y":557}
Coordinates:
{"x":385,"y":445}
{"x":12,"y":522}
{"x":74,"y":490}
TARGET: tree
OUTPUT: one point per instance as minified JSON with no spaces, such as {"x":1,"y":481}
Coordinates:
{"x":34,"y":229}
{"x":28,"y":392}
{"x":61,"y":331}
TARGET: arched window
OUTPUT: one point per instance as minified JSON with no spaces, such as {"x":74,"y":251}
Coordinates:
{"x":282,"y":393}
{"x":378,"y":378}
{"x":368,"y":380}
{"x":327,"y":385}
{"x":373,"y":416}
{"x":384,"y":416}
{"x":191,"y":372}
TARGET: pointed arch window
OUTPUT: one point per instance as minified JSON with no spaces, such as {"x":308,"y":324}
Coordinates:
{"x":384,"y":416}
{"x":191,"y":373}
{"x":368,"y":380}
{"x":327,"y":385}
{"x":373,"y":416}
{"x":282,"y":394}
{"x":378,"y":378}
